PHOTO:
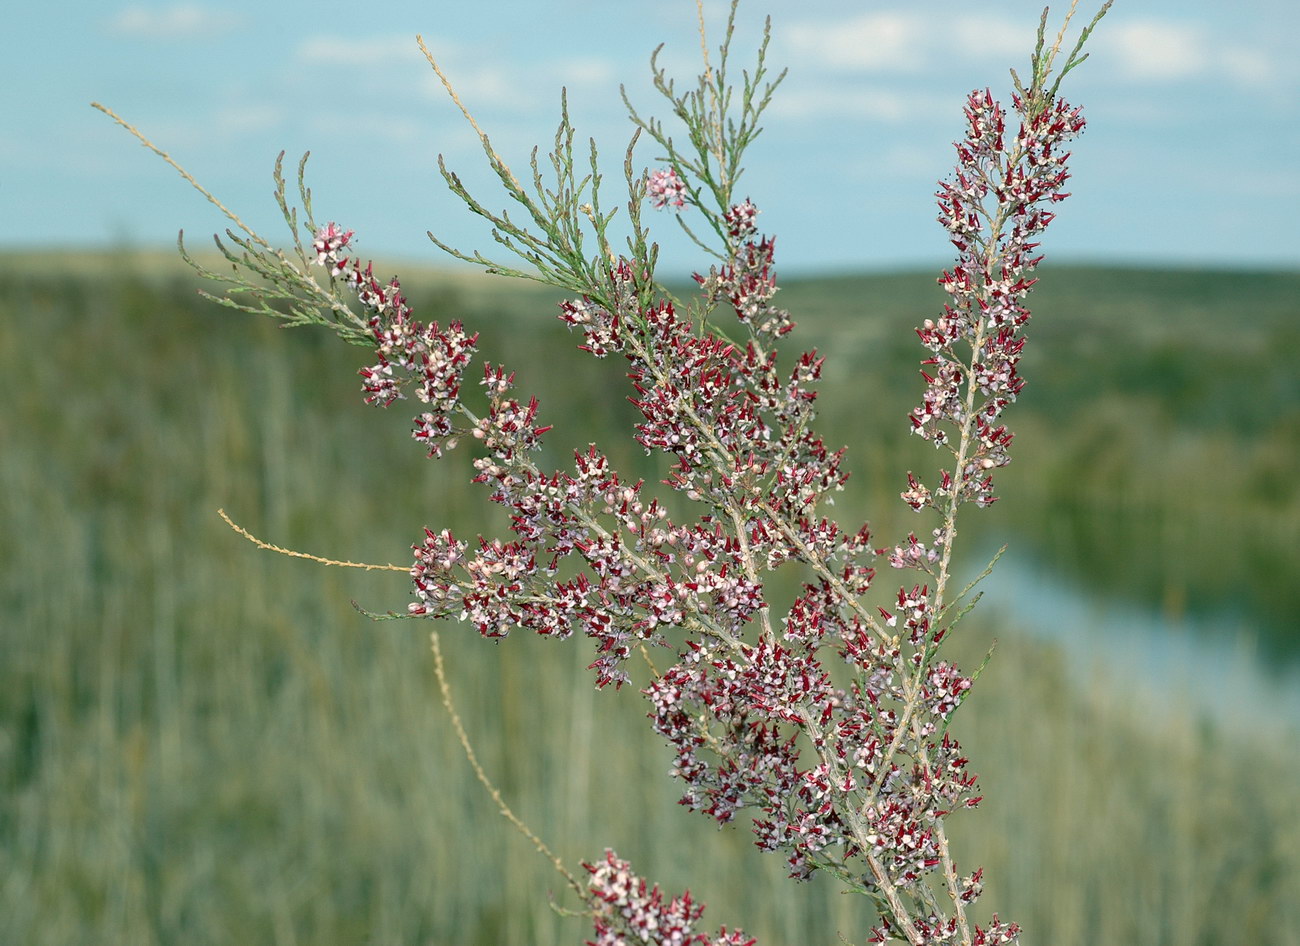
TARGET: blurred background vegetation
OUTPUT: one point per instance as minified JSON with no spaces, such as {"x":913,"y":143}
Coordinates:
{"x":201,"y":742}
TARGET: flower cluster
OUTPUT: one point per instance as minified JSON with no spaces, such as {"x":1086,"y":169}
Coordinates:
{"x":829,"y":724}
{"x":935,"y":929}
{"x":729,"y":417}
{"x":434,"y":357}
{"x":629,"y":912}
{"x":599,"y":326}
{"x":734,"y":719}
{"x":329,"y":241}
{"x":665,"y":188}
{"x":913,"y":554}
{"x":995,"y":204}
{"x":740,"y":220}
{"x":855,"y":778}
{"x":747,"y":283}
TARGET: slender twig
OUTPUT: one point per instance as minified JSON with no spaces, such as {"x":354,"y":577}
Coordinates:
{"x":182,"y":172}
{"x":482,"y":135}
{"x":444,"y":688}
{"x":311,"y":558}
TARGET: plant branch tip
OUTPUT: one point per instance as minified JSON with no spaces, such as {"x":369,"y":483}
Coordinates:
{"x":311,"y":558}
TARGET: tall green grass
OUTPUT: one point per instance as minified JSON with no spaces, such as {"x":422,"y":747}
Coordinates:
{"x":201,"y":742}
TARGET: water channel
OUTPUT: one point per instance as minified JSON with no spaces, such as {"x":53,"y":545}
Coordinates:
{"x":1204,"y":664}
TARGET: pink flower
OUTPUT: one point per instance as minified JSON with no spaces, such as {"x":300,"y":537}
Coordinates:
{"x":627,"y":910}
{"x":740,"y":220}
{"x":664,"y":188}
{"x":330,"y":239}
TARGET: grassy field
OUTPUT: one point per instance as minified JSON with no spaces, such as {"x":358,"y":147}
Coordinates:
{"x":204,"y":743}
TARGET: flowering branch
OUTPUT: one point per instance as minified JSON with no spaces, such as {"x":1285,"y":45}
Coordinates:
{"x":853,"y":776}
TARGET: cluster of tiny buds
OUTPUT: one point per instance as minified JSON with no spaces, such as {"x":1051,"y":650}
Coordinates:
{"x":433,"y":356}
{"x":739,"y":704}
{"x":599,"y":326}
{"x":329,"y":241}
{"x":629,"y":912}
{"x":740,"y":221}
{"x":913,"y":554}
{"x":934,"y":930}
{"x":666,"y":189}
{"x":1004,"y":194}
{"x":747,"y":281}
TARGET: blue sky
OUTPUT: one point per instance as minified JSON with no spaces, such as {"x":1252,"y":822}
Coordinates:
{"x":1190,"y":157}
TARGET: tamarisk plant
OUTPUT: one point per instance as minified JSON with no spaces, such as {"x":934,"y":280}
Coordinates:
{"x":856,"y":778}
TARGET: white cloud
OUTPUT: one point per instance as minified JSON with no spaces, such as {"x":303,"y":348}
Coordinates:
{"x":1247,"y":66}
{"x":908,"y":59}
{"x":904,"y":42}
{"x":871,"y":42}
{"x":176,"y":22}
{"x":987,"y":38}
{"x":1162,"y":50}
{"x":386,"y":64}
